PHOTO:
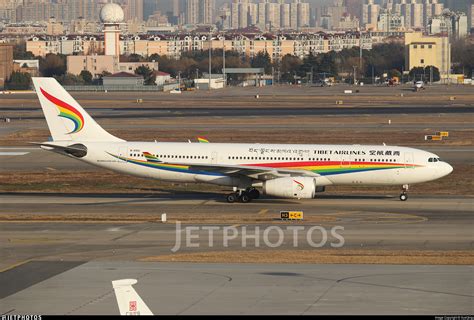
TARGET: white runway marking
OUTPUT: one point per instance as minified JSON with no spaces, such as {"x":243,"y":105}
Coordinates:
{"x":13,"y":153}
{"x":19,"y":148}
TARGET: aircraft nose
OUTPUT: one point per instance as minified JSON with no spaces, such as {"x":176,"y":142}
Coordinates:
{"x":449,"y":168}
{"x":444,"y":169}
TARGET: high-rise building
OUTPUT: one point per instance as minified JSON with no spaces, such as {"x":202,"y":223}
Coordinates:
{"x":192,"y":11}
{"x":370,"y":13}
{"x":269,"y":15}
{"x":353,"y":7}
{"x":199,"y":11}
{"x":453,"y":24}
{"x":8,"y":10}
{"x":149,"y":7}
{"x":413,"y":12}
{"x":458,"y":5}
{"x":471,"y":16}
{"x":206,"y":11}
{"x":294,"y":14}
{"x":261,"y":14}
{"x":133,"y":10}
{"x":389,"y":21}
{"x":303,"y":14}
{"x":336,"y":11}
{"x":284,"y":15}
{"x":274,"y":18}
{"x":416,"y":15}
{"x":62,"y":11}
{"x":252,"y":14}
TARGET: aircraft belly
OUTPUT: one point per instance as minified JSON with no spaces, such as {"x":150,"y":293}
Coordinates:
{"x":376,"y":177}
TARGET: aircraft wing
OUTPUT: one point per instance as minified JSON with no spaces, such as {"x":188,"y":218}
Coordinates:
{"x":254,"y":172}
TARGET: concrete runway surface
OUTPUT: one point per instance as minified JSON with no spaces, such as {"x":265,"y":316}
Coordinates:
{"x":150,"y":113}
{"x":120,"y":227}
{"x":180,"y":288}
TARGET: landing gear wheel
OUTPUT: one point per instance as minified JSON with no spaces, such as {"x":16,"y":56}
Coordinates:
{"x":404,"y":195}
{"x":254,"y":193}
{"x":231,"y":198}
{"x":244,"y":197}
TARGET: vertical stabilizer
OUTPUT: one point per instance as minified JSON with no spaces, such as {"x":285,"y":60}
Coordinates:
{"x":67,"y":120}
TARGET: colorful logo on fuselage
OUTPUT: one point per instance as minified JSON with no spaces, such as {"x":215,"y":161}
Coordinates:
{"x":150,"y":157}
{"x":202,"y":140}
{"x":66,"y":111}
{"x":300,"y":185}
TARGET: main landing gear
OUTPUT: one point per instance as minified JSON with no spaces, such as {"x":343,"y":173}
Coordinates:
{"x":404,"y":194}
{"x":243,"y":196}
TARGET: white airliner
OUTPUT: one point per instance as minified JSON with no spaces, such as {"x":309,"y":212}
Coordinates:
{"x":281,"y":170}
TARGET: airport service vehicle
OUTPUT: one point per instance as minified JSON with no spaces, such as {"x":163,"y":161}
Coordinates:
{"x":281,"y":170}
{"x":419,"y":85}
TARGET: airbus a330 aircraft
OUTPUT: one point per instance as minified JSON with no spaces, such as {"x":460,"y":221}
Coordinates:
{"x":281,"y":170}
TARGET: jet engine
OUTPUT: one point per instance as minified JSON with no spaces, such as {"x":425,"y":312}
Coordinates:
{"x":291,"y":187}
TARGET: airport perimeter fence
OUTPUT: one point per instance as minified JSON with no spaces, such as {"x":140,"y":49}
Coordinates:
{"x":93,"y":88}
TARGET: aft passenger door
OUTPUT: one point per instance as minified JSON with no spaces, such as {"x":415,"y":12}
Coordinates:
{"x":123,"y":153}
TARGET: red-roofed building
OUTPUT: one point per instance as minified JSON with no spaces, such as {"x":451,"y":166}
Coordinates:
{"x":162,"y":78}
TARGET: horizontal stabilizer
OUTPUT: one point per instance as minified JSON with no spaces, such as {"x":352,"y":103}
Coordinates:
{"x":128,"y":300}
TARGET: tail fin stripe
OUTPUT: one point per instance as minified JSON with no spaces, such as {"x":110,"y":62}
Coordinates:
{"x":66,"y":111}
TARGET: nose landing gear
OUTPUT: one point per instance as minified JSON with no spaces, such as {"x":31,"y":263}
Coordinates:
{"x":243,"y":196}
{"x":404,"y":194}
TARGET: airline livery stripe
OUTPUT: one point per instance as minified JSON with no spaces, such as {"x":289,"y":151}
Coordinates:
{"x":66,"y":111}
{"x":321,"y":168}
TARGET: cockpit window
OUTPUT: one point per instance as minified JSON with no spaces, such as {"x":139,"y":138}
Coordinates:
{"x":430,"y":160}
{"x":434,"y":160}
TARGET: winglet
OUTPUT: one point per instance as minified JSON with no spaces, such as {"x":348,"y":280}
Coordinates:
{"x":128,"y":300}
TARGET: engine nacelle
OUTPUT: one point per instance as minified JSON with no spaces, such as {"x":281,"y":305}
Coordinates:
{"x":291,"y":187}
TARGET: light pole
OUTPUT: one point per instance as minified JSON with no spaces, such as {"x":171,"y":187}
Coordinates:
{"x":360,"y":51}
{"x":273,"y":76}
{"x":355,"y":67}
{"x":431,"y":75}
{"x":223,"y":60}
{"x":210,"y":59}
{"x":179,"y":80}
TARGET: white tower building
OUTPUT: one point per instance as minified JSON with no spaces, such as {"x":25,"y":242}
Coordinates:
{"x":112,"y":16}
